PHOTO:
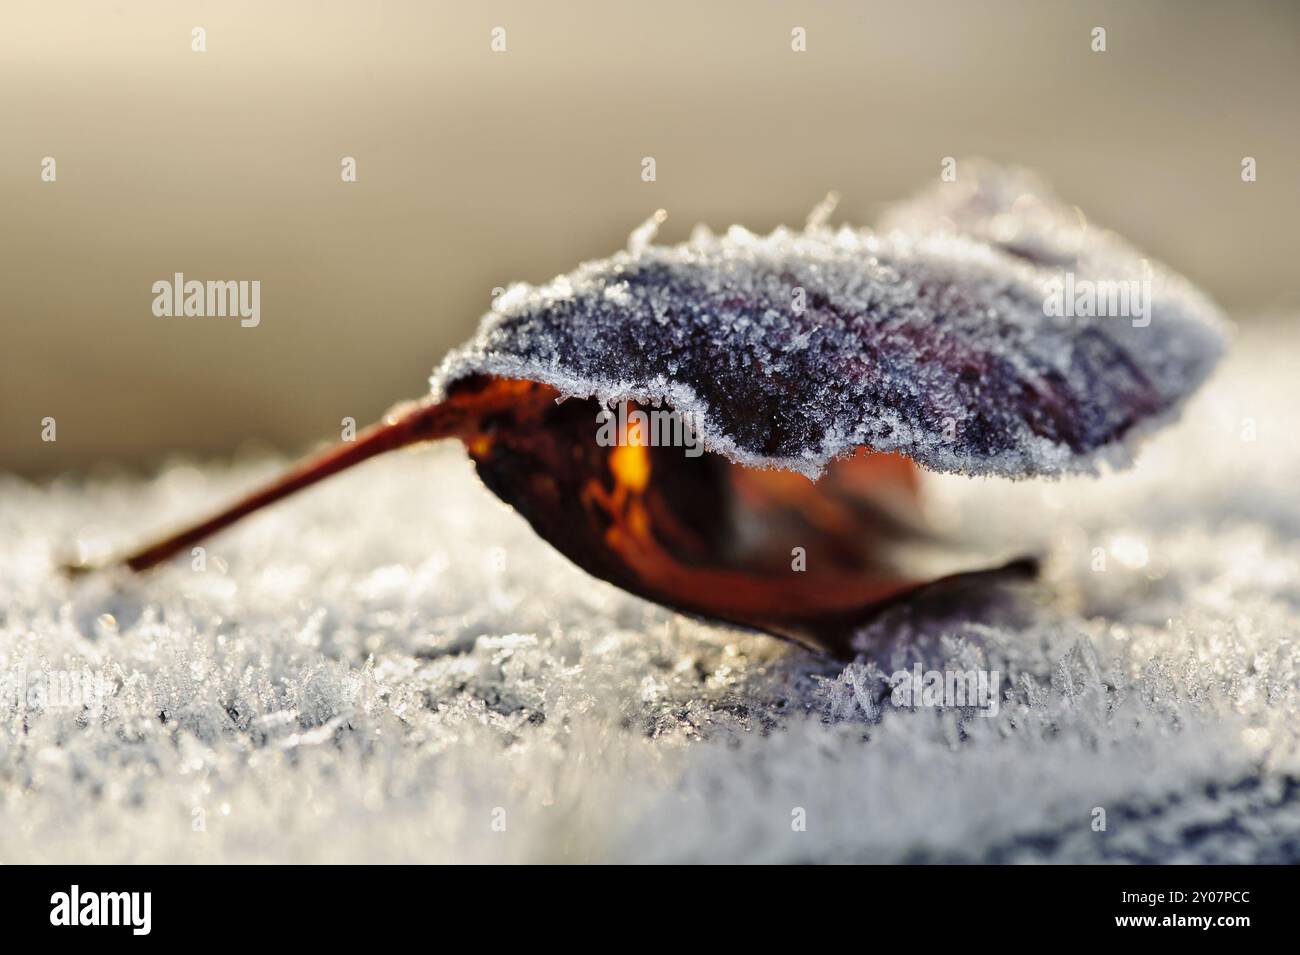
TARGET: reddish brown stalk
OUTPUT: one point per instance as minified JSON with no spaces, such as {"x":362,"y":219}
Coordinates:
{"x":404,"y":426}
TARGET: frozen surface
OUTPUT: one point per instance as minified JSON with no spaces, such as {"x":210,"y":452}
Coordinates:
{"x":371,"y":671}
{"x":930,"y":337}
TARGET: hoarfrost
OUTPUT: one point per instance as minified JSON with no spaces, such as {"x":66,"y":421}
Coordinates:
{"x":354,"y":680}
{"x":929,"y":337}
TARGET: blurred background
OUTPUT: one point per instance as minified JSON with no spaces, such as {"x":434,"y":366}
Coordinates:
{"x":476,"y":168}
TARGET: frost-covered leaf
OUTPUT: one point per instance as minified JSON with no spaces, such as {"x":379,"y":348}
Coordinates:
{"x":929,"y":338}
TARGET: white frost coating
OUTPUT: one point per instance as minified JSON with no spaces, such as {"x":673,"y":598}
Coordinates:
{"x":820,"y":216}
{"x":645,"y":233}
{"x":364,"y":672}
{"x":928,"y":338}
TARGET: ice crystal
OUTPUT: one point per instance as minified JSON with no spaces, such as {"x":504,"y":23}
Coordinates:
{"x":930,"y":337}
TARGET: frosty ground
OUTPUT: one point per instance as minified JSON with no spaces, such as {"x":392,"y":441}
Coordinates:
{"x":394,"y":668}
